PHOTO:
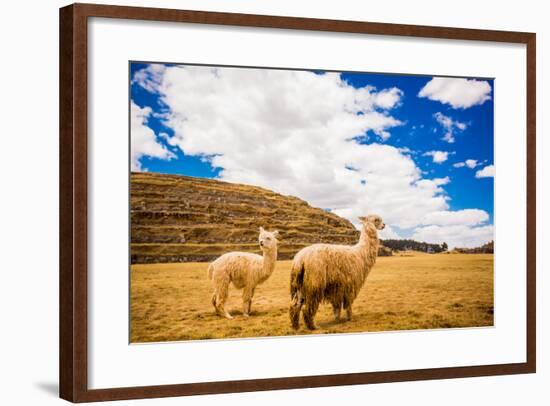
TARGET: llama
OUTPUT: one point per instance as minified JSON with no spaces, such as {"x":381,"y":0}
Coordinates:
{"x":332,"y":273}
{"x":245,"y":270}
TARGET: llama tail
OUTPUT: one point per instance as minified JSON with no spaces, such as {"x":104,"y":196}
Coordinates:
{"x":296,"y":297}
{"x":296,"y":278}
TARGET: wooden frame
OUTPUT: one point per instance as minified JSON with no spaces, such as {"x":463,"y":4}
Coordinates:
{"x":73,"y":201}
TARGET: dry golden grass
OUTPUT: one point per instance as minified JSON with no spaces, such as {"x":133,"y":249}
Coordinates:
{"x":171,"y":302}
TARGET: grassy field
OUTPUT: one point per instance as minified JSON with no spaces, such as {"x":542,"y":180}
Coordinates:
{"x":171,"y":302}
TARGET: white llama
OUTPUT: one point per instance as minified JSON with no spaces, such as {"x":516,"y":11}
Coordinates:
{"x":245,"y":270}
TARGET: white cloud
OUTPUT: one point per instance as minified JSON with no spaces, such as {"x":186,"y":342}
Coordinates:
{"x":442,"y":181}
{"x":457,"y":92}
{"x":388,"y":233}
{"x":144,"y":141}
{"x":487,"y":172}
{"x":455,"y":235}
{"x":438,"y":156}
{"x":466,"y":217}
{"x":388,"y":98}
{"x":470,"y":163}
{"x":298,"y":133}
{"x":150,"y":78}
{"x":450,"y":126}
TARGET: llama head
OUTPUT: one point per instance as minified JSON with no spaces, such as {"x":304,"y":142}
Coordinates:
{"x":268,"y":240}
{"x":373,"y":220}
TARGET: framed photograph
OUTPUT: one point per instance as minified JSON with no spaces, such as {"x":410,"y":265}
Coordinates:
{"x":255,"y":202}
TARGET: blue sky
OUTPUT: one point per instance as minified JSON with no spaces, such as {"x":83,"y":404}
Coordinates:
{"x":402,"y":140}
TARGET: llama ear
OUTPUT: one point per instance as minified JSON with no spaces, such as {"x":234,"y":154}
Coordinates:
{"x":362,"y":219}
{"x":261,"y":230}
{"x":276,"y":233}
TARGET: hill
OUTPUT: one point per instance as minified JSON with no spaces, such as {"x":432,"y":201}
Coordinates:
{"x":182,"y":219}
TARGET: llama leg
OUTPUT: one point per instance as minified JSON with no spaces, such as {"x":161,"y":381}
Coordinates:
{"x":247,"y":301}
{"x":214,"y":301}
{"x":310,"y":309}
{"x":250,"y":302}
{"x":336,"y":308}
{"x":294,"y":310}
{"x":221,"y":298}
{"x":220,"y":307}
{"x":349,"y":312}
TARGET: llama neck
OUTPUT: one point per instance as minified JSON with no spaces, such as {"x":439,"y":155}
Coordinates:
{"x":268,"y":266}
{"x":368,"y":246}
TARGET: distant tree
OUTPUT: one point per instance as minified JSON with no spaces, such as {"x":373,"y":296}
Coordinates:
{"x":444,"y":246}
{"x":405,"y":245}
{"x":487,"y":248}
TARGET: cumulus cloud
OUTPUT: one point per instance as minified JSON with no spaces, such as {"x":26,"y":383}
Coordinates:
{"x":455,"y":235}
{"x":442,"y":181}
{"x":466,"y":217}
{"x":388,"y":233}
{"x":466,"y":228}
{"x":450,"y":126}
{"x":437,"y":156}
{"x":149,"y":78}
{"x":487,"y":172}
{"x":457,"y":92}
{"x":389,"y":98}
{"x":470,"y":163}
{"x":299,"y":133}
{"x":144,"y":141}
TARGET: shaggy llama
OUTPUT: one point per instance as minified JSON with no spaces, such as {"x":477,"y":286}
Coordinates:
{"x":245,"y":270}
{"x":332,"y":273}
